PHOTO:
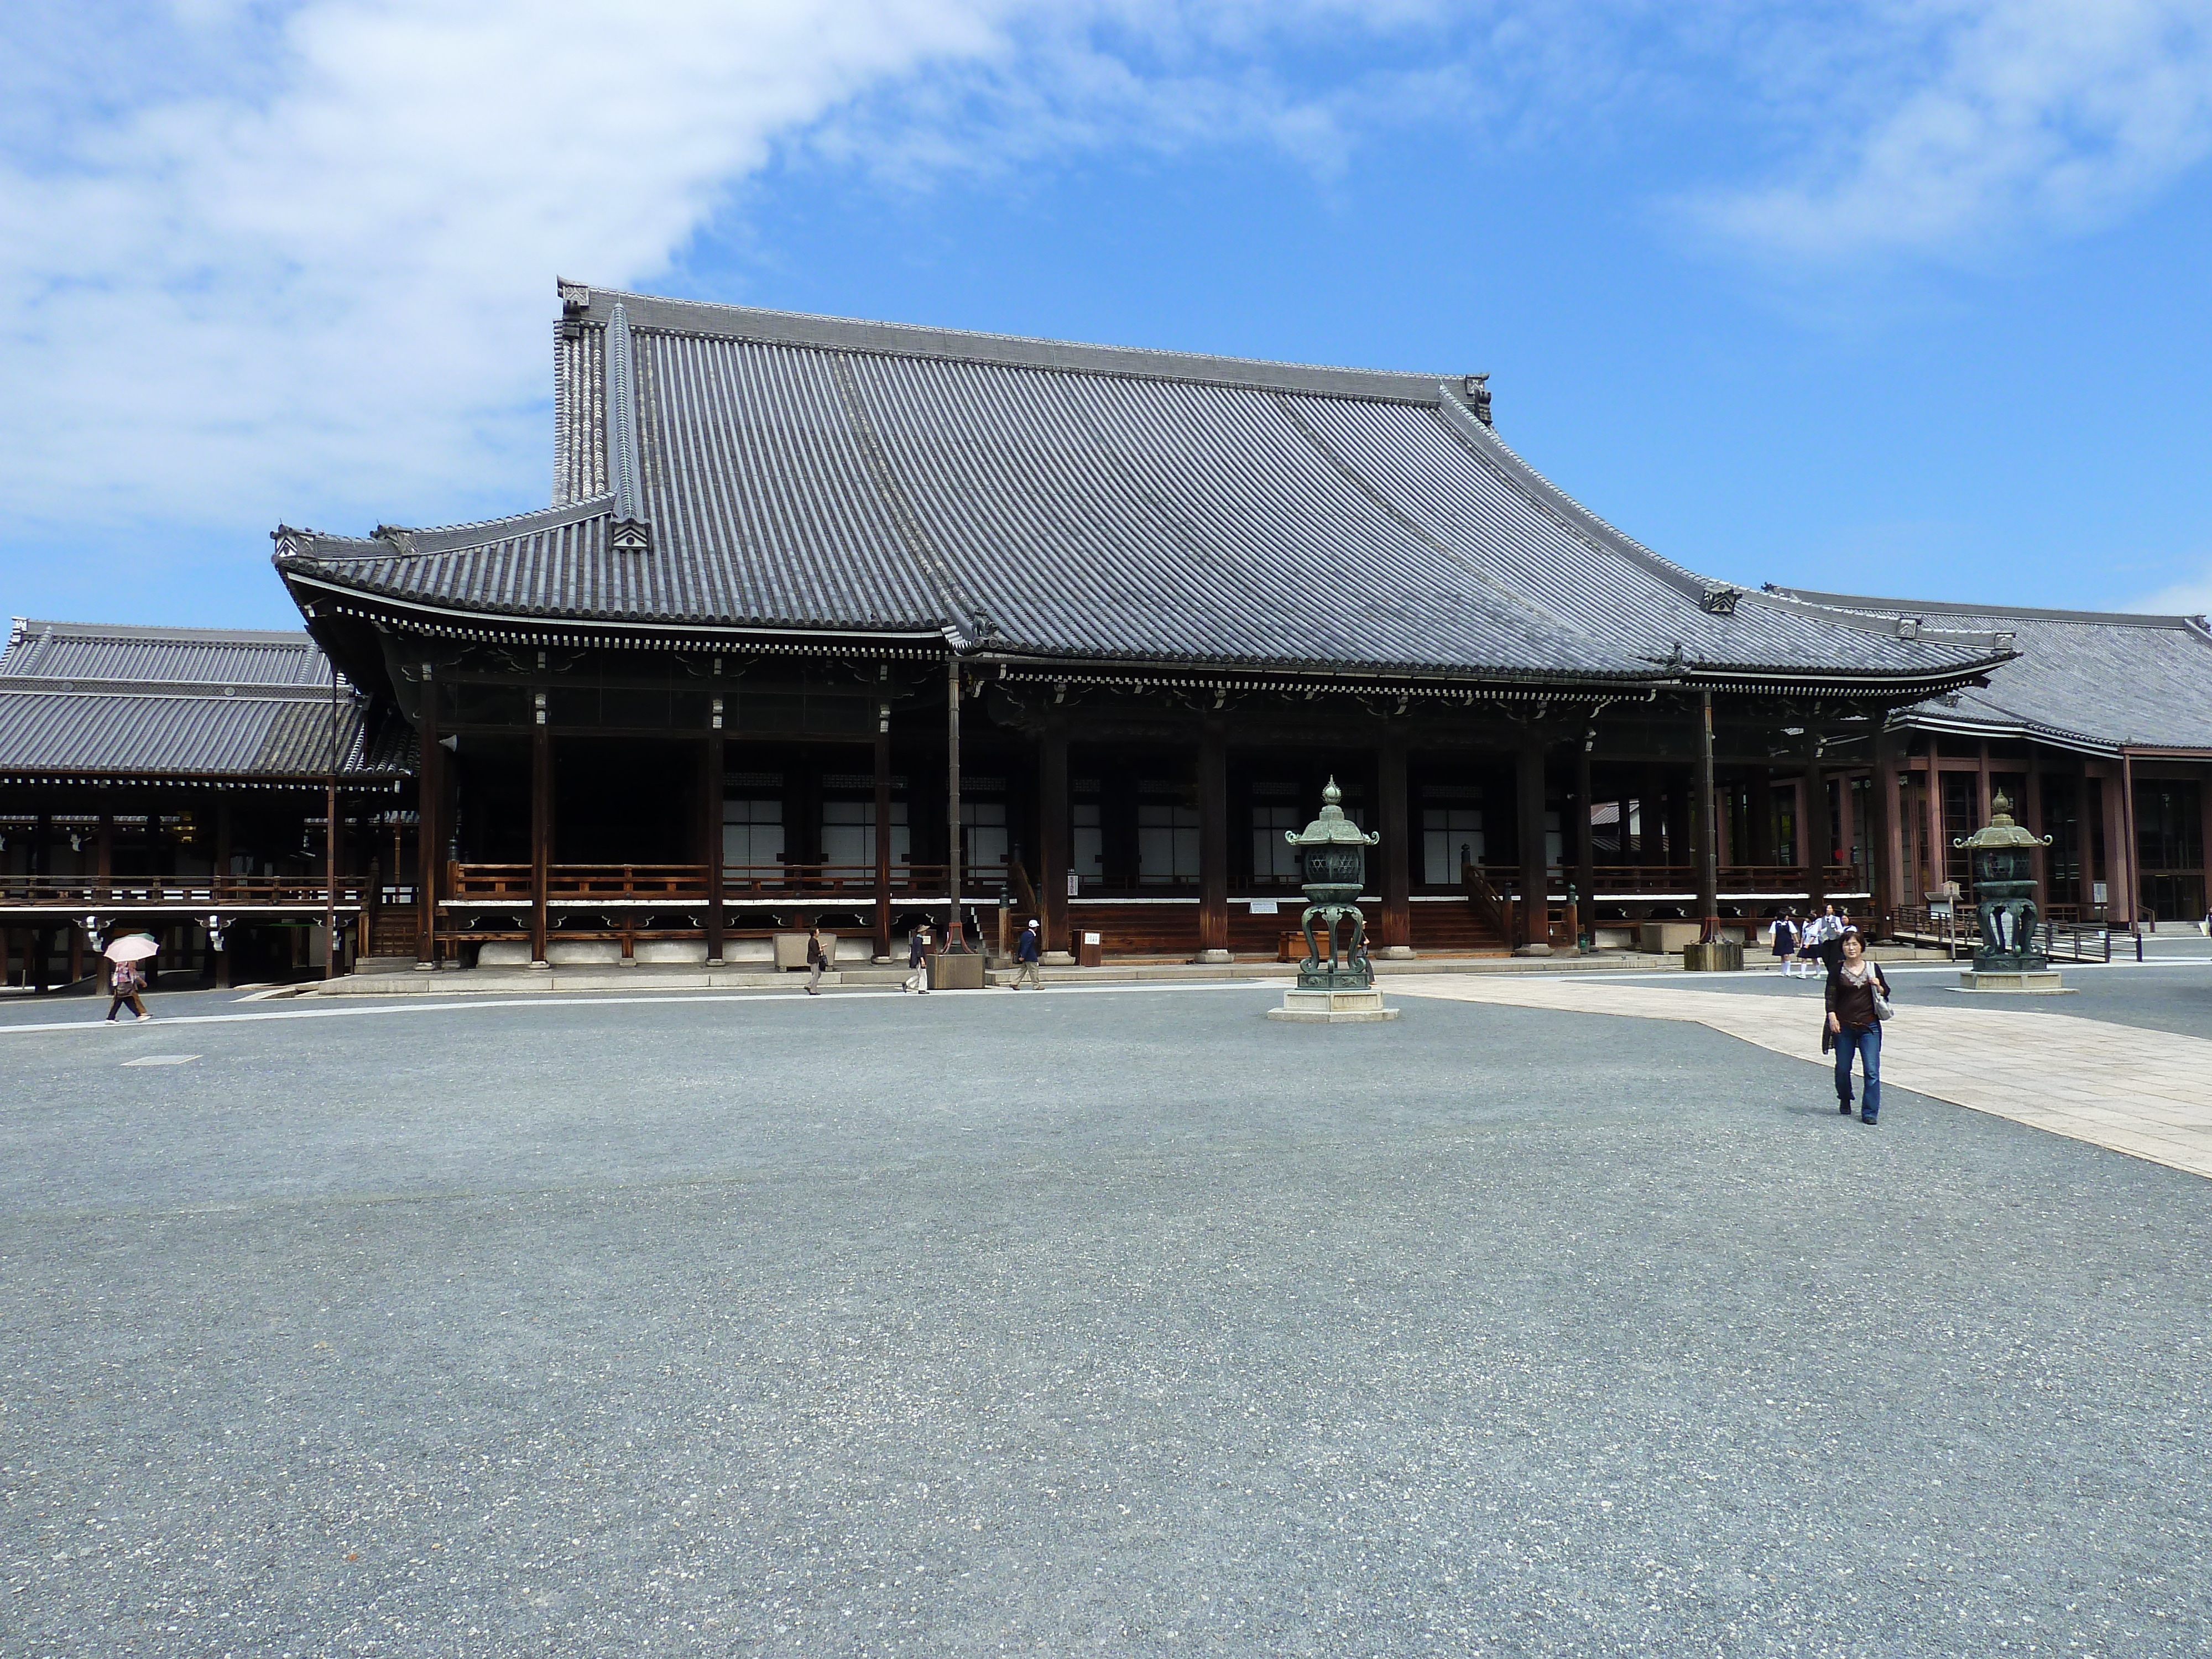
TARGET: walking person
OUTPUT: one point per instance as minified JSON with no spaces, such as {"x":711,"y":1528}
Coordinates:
{"x":1858,"y":1002}
{"x":1025,"y":952}
{"x":1832,"y":948}
{"x":1810,"y":937}
{"x":1785,"y":940}
{"x":917,"y":961}
{"x":817,"y":960}
{"x":127,"y":985}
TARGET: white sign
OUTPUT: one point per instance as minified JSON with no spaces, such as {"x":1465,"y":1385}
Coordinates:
{"x":1264,"y":908}
{"x":2097,"y":892}
{"x":1090,"y":939}
{"x":1940,"y":909}
{"x":1074,"y":885}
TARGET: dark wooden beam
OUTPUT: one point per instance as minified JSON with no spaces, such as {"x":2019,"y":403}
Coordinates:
{"x":1535,"y":867}
{"x":1585,"y":843}
{"x":1396,"y":931}
{"x":952,"y":838}
{"x":1053,"y":818}
{"x":1213,"y":843}
{"x":883,"y":837}
{"x":428,"y":775}
{"x":1704,"y":833}
{"x":541,"y":833}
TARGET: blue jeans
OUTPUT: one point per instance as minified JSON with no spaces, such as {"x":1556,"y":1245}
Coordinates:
{"x":1867,"y":1045}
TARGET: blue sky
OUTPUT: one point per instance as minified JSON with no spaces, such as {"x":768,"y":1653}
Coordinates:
{"x":1905,"y":296}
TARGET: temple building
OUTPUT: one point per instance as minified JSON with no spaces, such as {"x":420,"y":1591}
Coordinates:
{"x":829,"y":619}
{"x":2099,"y":734}
{"x":830,"y":622}
{"x":181,"y":780}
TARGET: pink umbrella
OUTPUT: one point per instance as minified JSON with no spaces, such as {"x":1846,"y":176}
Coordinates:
{"x":131,"y":947}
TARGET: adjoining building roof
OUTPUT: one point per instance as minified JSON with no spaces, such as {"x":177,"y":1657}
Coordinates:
{"x":1068,"y":503}
{"x":2094,"y":681}
{"x":97,"y":651}
{"x":91,"y":701}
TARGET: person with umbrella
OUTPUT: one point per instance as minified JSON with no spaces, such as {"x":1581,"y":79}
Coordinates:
{"x":126,"y":980}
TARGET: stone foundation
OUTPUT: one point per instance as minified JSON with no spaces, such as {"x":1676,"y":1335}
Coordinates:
{"x":1332,"y":1007}
{"x":2034,"y":983}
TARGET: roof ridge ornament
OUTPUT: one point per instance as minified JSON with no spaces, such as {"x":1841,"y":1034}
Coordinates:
{"x":1720,"y":601}
{"x":1478,"y":395}
{"x":630,"y":533}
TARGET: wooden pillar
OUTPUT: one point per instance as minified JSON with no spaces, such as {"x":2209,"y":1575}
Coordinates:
{"x":428,"y":778}
{"x":882,"y":758}
{"x":541,"y":831}
{"x":2108,"y":794}
{"x":222,"y":853}
{"x":103,"y":861}
{"x":1759,"y":818}
{"x":1886,"y":837}
{"x":331,"y":952}
{"x":1704,"y":834}
{"x":1535,"y":870}
{"x":718,"y":897}
{"x":1391,"y":819}
{"x":1585,"y":841}
{"x":2205,"y":833}
{"x":2031,"y":819}
{"x":952,"y":848}
{"x":1813,"y":836}
{"x":2130,"y":851}
{"x":1981,"y":787}
{"x":1053,"y":819}
{"x":2085,"y":842}
{"x":76,"y":953}
{"x":1932,"y":824}
{"x":1213,"y":843}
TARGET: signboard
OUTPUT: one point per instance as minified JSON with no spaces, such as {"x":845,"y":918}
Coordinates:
{"x":1074,"y":885}
{"x":1264,"y":906}
{"x":1940,"y":909}
{"x":2097,"y":892}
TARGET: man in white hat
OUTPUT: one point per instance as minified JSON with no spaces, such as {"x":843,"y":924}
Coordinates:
{"x":1025,"y":953}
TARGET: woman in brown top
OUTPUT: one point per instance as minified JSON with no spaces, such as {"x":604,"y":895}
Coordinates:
{"x":1853,"y":1026}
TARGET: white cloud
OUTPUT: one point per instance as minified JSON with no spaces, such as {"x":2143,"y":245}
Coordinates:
{"x":338,"y":262}
{"x":270,"y":257}
{"x":2190,"y":597}
{"x":1940,"y":125}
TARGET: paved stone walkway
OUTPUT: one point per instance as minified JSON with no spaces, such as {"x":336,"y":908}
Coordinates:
{"x":2145,"y":1093}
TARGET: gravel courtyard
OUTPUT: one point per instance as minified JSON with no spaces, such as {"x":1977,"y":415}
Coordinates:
{"x":1104,"y":1322}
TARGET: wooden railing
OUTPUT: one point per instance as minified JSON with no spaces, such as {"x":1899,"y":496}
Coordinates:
{"x":211,"y":892}
{"x":1504,"y":881}
{"x":511,"y":884}
{"x":853,"y":882}
{"x":1733,"y":877}
{"x":686,"y":883}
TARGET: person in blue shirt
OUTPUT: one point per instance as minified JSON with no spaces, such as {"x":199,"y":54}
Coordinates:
{"x":1026,"y":954}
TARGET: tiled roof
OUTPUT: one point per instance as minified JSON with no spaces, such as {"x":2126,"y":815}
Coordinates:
{"x":2096,"y":681}
{"x":1077,"y":502}
{"x":94,"y":651}
{"x":80,"y":700}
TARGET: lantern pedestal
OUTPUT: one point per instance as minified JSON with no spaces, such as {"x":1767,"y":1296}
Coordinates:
{"x":1332,"y":1007}
{"x":2027,"y":982}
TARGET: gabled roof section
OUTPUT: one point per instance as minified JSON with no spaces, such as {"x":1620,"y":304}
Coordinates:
{"x":2095,"y":681}
{"x":205,"y":656}
{"x":101,"y":703}
{"x":1078,"y":503}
